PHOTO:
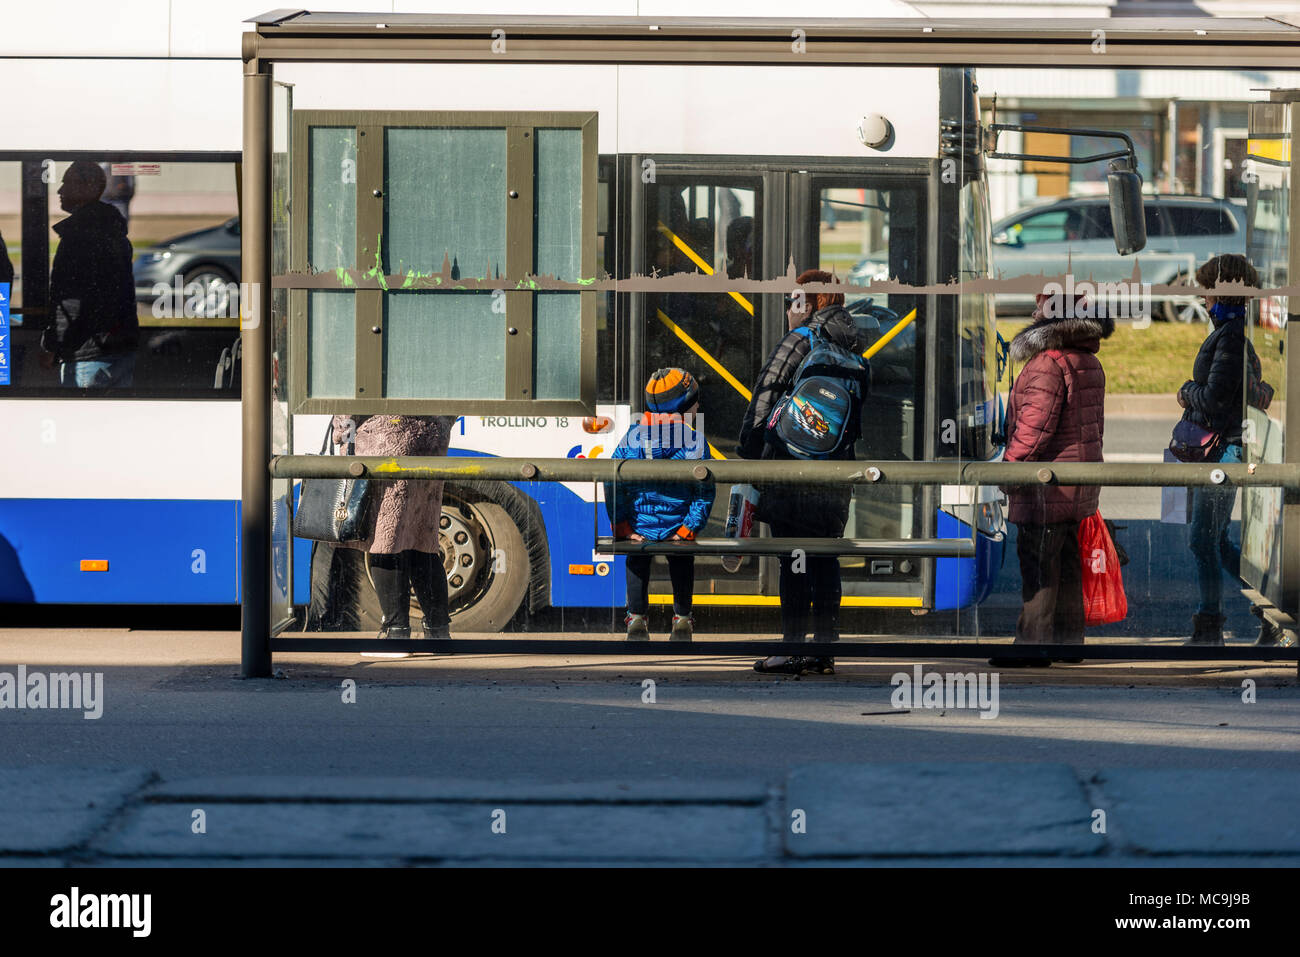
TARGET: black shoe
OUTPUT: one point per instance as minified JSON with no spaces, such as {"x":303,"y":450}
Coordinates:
{"x":438,"y":632}
{"x":1207,"y":630}
{"x":1014,"y":662}
{"x":390,"y":631}
{"x":781,"y":665}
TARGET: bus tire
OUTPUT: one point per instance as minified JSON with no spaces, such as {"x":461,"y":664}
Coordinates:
{"x":487,"y":565}
{"x":493,"y":582}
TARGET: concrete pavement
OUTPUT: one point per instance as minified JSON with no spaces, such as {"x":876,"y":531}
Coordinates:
{"x":490,"y":759}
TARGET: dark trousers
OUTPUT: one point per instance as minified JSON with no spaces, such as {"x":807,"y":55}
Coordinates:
{"x":1212,"y":549}
{"x":395,"y":576}
{"x":810,"y":592}
{"x":1051,"y":577}
{"x":681,"y":569}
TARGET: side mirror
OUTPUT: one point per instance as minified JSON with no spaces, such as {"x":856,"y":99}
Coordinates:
{"x":1005,"y":238}
{"x":1126,"y":214}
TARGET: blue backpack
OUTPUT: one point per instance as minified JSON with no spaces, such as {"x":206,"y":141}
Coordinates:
{"x":812,"y":420}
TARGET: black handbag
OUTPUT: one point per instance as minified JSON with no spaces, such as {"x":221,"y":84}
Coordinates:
{"x":333,"y":510}
{"x":1195,"y":443}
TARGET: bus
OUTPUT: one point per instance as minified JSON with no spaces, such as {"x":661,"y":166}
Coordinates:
{"x":131,"y":495}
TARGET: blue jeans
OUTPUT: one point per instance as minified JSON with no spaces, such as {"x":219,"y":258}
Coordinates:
{"x":1212,"y":550}
{"x":107,"y":373}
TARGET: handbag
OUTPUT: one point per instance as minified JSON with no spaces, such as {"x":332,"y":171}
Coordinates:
{"x":1104,"y":601}
{"x":335,"y":509}
{"x":1195,"y":443}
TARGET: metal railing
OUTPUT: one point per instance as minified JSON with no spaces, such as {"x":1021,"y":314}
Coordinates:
{"x":789,"y":472}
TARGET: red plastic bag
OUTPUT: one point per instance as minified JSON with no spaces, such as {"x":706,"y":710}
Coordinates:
{"x":1103,"y":586}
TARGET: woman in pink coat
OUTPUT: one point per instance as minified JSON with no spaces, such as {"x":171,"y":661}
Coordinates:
{"x":402,"y":538}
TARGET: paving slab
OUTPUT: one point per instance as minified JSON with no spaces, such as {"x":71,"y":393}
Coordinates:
{"x":51,"y":808}
{"x":952,"y":810}
{"x":1162,"y":811}
{"x":252,"y":788}
{"x":679,"y":832}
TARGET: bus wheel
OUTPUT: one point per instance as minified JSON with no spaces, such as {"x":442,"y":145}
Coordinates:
{"x":487,"y":568}
{"x":487,"y":564}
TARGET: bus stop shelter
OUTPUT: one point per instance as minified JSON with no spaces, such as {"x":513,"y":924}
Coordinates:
{"x":274,"y":226}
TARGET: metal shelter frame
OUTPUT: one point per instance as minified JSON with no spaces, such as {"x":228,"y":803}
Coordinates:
{"x":290,"y":35}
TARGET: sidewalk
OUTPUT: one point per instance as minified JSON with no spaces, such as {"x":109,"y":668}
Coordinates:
{"x":859,"y":814}
{"x":559,"y":760}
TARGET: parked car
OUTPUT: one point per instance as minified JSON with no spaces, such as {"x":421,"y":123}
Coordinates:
{"x":1075,"y":234}
{"x":206,"y":257}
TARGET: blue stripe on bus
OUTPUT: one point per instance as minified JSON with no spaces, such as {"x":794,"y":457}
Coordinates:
{"x":158,"y":551}
{"x":151,"y":545}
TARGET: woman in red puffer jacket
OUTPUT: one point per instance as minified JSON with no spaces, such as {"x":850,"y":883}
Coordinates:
{"x":1056,"y":413}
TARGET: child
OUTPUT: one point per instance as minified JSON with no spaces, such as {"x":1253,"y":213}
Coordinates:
{"x":656,"y":512}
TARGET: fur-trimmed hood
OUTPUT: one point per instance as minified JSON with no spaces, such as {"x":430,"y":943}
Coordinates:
{"x":1082,"y":334}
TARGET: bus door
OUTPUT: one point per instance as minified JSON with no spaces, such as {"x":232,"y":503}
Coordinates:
{"x":702,"y":225}
{"x":863,"y":226}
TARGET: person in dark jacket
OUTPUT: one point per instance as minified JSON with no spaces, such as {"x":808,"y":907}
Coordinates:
{"x":658,"y":512}
{"x":1213,"y":398}
{"x":812,"y":511}
{"x":92,"y":330}
{"x":1056,"y":413}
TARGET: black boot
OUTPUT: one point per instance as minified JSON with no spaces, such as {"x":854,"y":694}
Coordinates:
{"x":1206,"y":630}
{"x":429,"y":581}
{"x":393,"y":590}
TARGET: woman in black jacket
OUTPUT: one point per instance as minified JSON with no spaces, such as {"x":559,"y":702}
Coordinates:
{"x":1213,"y":398}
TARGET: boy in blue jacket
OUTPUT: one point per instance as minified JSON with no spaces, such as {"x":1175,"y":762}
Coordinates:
{"x":656,"y":512}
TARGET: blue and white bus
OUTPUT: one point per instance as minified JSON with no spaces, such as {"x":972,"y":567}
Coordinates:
{"x":132,"y":495}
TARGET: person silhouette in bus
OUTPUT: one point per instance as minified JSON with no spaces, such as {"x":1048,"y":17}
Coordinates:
{"x":810,"y":585}
{"x":670,"y":428}
{"x":92,"y":332}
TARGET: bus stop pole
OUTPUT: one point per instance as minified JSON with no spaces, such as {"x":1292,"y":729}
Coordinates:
{"x":255,"y":390}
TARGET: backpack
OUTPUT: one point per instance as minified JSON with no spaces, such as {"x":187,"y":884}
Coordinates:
{"x":812,"y":421}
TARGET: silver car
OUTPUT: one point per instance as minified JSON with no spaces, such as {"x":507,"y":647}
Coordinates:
{"x":1075,"y":235}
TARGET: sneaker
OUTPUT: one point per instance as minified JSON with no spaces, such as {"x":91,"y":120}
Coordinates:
{"x":637,"y":629}
{"x":390,"y":631}
{"x":683,"y":627}
{"x":782,"y":665}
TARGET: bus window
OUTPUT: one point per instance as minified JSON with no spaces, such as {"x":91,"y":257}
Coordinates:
{"x":163,"y":238}
{"x":709,"y":229}
{"x":700,"y":227}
